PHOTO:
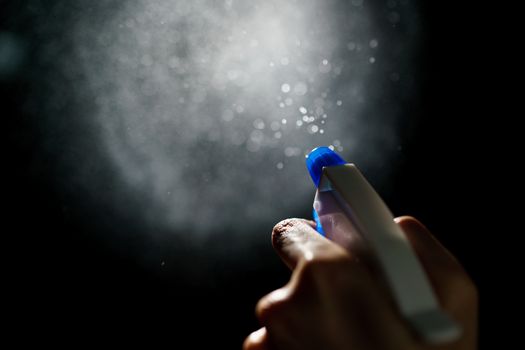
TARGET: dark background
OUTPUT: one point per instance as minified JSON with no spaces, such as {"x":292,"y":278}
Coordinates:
{"x":67,"y":285}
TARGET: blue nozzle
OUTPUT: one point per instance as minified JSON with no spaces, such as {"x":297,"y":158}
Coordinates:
{"x":318,"y":159}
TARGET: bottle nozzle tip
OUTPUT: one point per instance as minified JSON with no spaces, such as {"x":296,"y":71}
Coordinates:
{"x":319,"y":158}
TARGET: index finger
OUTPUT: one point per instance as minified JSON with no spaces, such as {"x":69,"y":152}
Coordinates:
{"x":450,"y":281}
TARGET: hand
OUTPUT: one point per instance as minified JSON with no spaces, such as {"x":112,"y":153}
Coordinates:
{"x":333,"y":301}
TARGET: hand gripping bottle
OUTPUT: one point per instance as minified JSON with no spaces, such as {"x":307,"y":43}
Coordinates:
{"x":349,"y":211}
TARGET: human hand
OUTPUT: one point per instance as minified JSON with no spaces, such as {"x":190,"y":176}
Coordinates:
{"x":335,"y":301}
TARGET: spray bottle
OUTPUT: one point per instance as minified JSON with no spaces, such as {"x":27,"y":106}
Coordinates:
{"x":349,"y":211}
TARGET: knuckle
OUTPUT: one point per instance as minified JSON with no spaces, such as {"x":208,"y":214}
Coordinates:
{"x":334,"y":263}
{"x":316,"y":267}
{"x":337,"y":272}
{"x":273,"y":306}
{"x":248,"y":344}
{"x":255,"y":340}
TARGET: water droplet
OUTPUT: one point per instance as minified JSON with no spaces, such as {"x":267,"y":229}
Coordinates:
{"x":278,"y":135}
{"x":372,"y":60}
{"x":339,"y":102}
{"x":292,"y":151}
{"x":300,"y":88}
{"x":325,"y":66}
{"x":351,"y":46}
{"x":283,"y":121}
{"x":280,"y":165}
{"x":299,"y":123}
{"x":288,"y":101}
{"x":373,"y":43}
{"x":312,"y":129}
{"x":275,"y":125}
{"x":256,"y":136}
{"x":239,"y":109}
{"x":303,"y":110}
{"x":258,"y":124}
{"x":285,"y":88}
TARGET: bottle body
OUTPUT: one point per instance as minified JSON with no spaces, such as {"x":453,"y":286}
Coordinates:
{"x":352,"y":214}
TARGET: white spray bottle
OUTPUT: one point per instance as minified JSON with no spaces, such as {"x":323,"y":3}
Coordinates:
{"x":349,"y":211}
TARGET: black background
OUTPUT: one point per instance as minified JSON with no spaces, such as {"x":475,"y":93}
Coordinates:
{"x":66,"y":285}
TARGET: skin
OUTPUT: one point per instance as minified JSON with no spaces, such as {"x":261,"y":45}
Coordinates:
{"x":334,"y":301}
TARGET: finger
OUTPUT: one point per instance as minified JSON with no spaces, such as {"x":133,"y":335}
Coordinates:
{"x":296,"y":239}
{"x":445,"y":273}
{"x":258,"y":340}
{"x":434,"y":256}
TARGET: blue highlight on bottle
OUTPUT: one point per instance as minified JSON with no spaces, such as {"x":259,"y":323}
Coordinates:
{"x":319,"y":227}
